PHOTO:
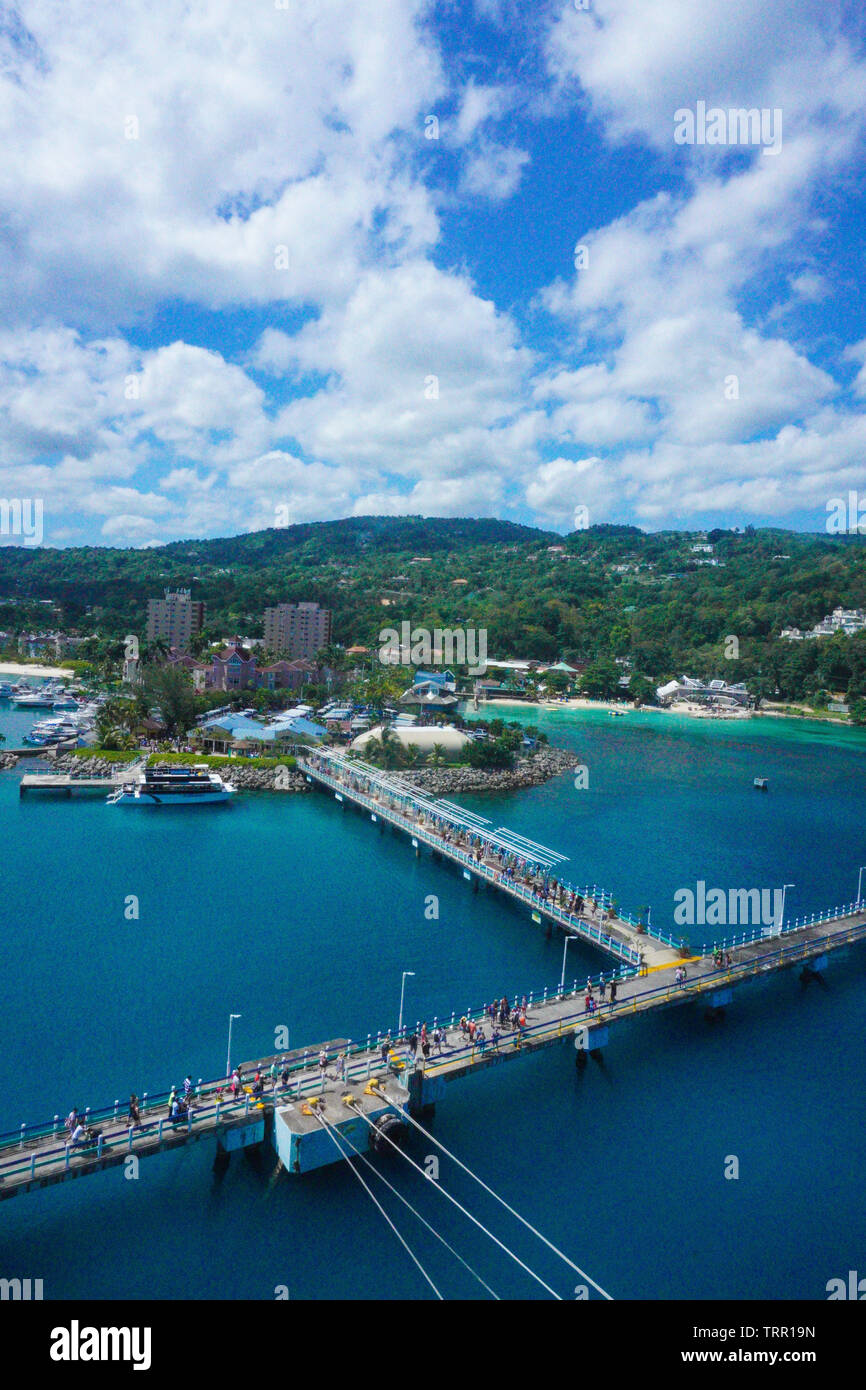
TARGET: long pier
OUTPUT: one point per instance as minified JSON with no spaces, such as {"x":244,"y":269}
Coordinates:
{"x":520,"y":868}
{"x":366,"y":1083}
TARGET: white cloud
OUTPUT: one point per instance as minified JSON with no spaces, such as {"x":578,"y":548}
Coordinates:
{"x":253,"y":127}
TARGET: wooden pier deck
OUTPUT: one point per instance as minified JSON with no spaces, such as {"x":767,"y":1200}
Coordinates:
{"x":38,"y":1156}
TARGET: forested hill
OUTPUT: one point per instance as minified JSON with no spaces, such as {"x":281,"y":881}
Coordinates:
{"x":667,"y":600}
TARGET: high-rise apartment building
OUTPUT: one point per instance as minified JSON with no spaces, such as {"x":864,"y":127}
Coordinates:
{"x":297,"y":629}
{"x":175,"y":619}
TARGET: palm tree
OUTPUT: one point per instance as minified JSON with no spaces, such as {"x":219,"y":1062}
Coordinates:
{"x":438,"y":755}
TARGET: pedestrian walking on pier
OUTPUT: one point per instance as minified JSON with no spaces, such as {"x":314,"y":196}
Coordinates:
{"x":134,"y":1115}
{"x":413,"y":1044}
{"x":602,"y":986}
{"x":343,"y":1066}
{"x":425,"y":1048}
{"x":385,"y":1049}
{"x":612,"y":993}
{"x":494,"y":1038}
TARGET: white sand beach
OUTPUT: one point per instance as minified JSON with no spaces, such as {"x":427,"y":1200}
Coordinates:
{"x":11,"y":668}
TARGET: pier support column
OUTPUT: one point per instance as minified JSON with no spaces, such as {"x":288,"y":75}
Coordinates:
{"x":716,"y":1004}
{"x":423,"y":1093}
{"x":814,"y":970}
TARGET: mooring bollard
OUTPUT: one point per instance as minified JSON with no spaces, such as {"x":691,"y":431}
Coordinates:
{"x":99,"y":1143}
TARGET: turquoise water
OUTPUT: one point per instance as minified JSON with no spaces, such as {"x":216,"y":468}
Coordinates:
{"x":293,"y":911}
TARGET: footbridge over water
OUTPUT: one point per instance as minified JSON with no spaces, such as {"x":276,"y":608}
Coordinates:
{"x":368,"y":1087}
{"x":521,"y":868}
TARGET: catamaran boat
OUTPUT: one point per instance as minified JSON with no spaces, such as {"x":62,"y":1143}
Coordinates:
{"x":172,"y":786}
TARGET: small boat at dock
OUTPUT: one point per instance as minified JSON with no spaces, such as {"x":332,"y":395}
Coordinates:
{"x":761,"y":783}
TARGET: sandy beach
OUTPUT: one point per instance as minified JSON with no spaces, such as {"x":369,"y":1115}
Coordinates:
{"x":580,"y":702}
{"x":11,"y":668}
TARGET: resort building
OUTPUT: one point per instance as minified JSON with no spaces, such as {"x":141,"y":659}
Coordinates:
{"x":288,"y":675}
{"x":234,"y":668}
{"x":844,"y":620}
{"x":716,"y":692}
{"x":175,"y":619}
{"x":297,"y":630}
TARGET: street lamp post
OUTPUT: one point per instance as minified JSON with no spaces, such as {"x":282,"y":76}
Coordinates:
{"x":860,"y":885}
{"x":402,"y":991}
{"x":229,"y":1051}
{"x":568,"y":938}
{"x":785,"y":887}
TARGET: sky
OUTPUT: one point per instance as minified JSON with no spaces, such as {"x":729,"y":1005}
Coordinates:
{"x":291,"y":260}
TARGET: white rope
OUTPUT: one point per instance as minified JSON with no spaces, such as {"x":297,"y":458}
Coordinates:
{"x":381,"y":1176}
{"x":455,"y":1202}
{"x":375,"y":1199}
{"x":502,"y":1202}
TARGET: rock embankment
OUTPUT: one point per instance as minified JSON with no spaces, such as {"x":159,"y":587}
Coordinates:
{"x":526,"y":772}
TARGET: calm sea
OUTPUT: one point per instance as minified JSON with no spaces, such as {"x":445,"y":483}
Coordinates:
{"x":295,"y":912}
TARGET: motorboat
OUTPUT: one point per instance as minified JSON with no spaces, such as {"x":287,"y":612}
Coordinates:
{"x":172,"y":786}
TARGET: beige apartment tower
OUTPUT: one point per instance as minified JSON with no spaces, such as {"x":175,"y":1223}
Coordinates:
{"x":297,"y":629}
{"x":175,"y":619}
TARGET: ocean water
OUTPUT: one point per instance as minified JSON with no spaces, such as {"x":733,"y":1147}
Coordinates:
{"x":296,"y":912}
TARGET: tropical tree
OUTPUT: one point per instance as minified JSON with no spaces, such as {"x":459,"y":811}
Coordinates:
{"x":438,"y":755}
{"x":170,"y":688}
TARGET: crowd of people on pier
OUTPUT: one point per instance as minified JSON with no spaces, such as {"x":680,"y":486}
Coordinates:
{"x":508,"y":864}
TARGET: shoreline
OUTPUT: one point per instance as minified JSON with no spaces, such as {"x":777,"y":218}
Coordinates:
{"x":681,"y":707}
{"x":13,"y":668}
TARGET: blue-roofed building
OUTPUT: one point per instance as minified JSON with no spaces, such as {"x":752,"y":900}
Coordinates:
{"x":445,"y":679}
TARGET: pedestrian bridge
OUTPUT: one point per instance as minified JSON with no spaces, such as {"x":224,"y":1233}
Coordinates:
{"x":367,"y":1078}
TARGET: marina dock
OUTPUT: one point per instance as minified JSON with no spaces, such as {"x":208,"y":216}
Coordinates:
{"x":66,"y":784}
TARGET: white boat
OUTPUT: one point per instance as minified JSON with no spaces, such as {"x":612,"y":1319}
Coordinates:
{"x":172,"y":786}
{"x":36,"y":699}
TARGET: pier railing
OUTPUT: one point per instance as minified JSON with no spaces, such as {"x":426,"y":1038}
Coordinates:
{"x":770,"y":933}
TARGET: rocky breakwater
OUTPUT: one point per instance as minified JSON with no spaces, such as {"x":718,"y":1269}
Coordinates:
{"x":526,"y":772}
{"x":8,"y":760}
{"x":440,"y":781}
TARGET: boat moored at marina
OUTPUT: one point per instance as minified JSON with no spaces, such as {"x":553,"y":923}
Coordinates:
{"x":172,"y":786}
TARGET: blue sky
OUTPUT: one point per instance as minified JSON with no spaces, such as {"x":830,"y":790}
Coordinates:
{"x":241,"y":281}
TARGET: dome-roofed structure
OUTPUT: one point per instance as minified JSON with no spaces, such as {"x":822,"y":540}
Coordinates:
{"x":424,"y":738}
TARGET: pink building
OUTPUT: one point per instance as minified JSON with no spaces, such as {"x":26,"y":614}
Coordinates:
{"x":234,"y":668}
